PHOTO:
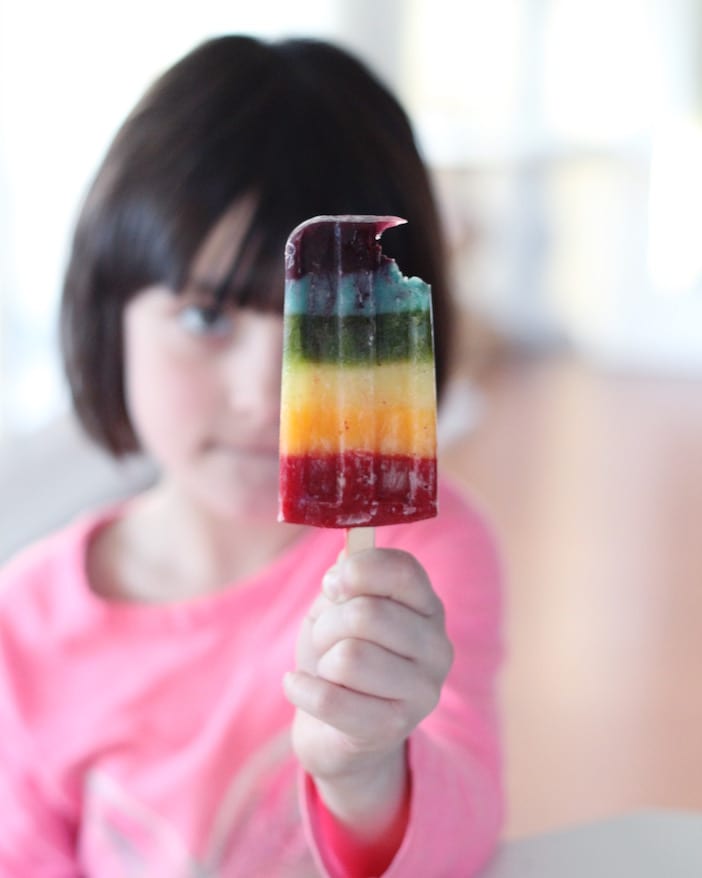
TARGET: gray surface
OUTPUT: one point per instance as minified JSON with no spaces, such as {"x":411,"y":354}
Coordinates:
{"x":49,"y":477}
{"x":657,"y":844}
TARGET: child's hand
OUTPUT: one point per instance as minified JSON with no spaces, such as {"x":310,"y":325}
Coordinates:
{"x":372,"y":657}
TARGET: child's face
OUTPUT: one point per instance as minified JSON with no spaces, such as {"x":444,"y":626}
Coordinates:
{"x":203,"y":387}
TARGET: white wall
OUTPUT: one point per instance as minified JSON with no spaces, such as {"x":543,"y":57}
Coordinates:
{"x":69,"y":73}
{"x":515,"y":94}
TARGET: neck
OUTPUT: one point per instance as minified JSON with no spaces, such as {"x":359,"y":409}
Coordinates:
{"x":167,"y":548}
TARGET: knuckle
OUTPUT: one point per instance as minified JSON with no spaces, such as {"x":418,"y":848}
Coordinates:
{"x":435,"y":608}
{"x":428,"y":684}
{"x":413,"y":578}
{"x":440,"y":662}
{"x":359,"y":615}
{"x":397,"y":725}
{"x":324,"y":701}
{"x":447,"y":659}
{"x":427,"y":700}
{"x":407,"y":567}
{"x":341,"y":659}
{"x":394,"y":562}
{"x":350,"y":652}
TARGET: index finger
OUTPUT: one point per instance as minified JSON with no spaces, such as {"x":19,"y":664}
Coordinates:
{"x":389,"y":573}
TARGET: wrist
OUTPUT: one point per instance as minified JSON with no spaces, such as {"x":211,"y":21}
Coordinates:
{"x":368,"y":800}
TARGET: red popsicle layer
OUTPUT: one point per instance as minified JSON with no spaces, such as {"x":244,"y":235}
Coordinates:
{"x":356,"y":488}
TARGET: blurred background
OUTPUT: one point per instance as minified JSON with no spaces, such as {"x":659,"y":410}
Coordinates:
{"x":565,"y":138}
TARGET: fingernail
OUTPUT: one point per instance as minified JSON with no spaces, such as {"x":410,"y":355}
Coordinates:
{"x":331,"y":584}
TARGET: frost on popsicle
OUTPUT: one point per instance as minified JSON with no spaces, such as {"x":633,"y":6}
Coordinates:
{"x":358,"y":405}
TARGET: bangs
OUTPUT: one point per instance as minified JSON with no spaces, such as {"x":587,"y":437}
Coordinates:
{"x":256,"y":275}
{"x":318,"y":158}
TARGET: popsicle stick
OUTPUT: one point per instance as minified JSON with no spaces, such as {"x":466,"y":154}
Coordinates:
{"x":359,"y":538}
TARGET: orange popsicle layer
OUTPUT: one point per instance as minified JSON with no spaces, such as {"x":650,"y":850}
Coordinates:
{"x":389,"y":409}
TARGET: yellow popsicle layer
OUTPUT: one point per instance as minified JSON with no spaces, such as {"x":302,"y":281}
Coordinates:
{"x":388,"y":409}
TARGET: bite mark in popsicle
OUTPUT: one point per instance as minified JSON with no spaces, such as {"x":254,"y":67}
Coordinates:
{"x":358,"y":402}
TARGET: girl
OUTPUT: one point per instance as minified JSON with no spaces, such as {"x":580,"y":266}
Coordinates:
{"x":187,"y":687}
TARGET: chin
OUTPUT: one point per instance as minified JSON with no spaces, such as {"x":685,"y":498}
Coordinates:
{"x":247,"y":513}
{"x":241,"y":503}
{"x":233,"y":489}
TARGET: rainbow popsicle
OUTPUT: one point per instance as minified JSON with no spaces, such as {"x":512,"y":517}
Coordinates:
{"x":358,"y":403}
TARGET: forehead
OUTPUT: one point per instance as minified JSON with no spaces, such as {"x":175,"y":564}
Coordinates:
{"x":220,"y":249}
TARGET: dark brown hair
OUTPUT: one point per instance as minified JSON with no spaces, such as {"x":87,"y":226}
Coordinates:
{"x":302,"y":126}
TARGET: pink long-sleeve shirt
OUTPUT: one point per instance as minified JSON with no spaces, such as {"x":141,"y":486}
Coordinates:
{"x":153,"y":740}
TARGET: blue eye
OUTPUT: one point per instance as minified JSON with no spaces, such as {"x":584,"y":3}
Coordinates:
{"x":205,"y":320}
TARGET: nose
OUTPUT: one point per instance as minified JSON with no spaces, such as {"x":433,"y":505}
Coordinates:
{"x":253,"y":369}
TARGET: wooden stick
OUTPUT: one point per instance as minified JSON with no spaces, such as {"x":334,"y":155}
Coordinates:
{"x":359,"y":538}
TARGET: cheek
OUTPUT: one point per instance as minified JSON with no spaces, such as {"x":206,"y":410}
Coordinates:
{"x":168,"y":398}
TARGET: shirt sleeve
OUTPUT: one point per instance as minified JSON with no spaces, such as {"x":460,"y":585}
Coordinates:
{"x":35,"y":840}
{"x":342,"y":852}
{"x":456,"y":806}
